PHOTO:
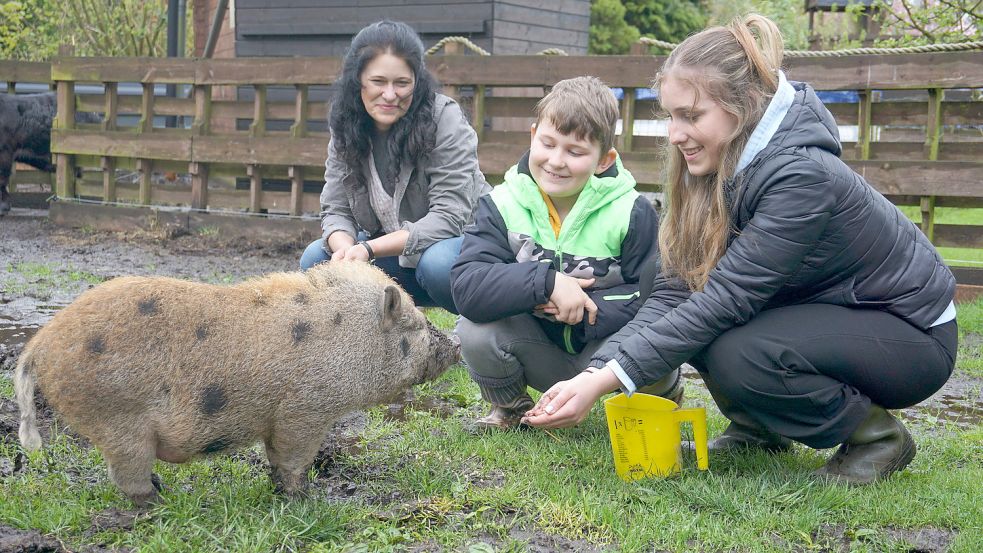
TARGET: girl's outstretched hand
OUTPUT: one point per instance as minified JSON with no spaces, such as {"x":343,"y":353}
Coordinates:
{"x":568,"y":402}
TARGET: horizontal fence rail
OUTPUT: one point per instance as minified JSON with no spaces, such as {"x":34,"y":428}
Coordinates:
{"x":250,"y":134}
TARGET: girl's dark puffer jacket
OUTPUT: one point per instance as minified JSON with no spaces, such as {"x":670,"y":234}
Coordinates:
{"x":808,"y":230}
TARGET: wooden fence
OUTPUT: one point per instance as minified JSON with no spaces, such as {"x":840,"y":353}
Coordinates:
{"x":256,"y":130}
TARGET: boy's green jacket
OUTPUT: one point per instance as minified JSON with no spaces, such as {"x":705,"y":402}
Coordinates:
{"x":510,"y":255}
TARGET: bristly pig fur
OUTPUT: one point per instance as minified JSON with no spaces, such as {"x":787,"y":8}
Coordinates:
{"x":159,"y":368}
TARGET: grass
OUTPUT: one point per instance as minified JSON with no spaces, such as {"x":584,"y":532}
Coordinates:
{"x":964,"y":257}
{"x":428,"y":483}
{"x":40,"y":280}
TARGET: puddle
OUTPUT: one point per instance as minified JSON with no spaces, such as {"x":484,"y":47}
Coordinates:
{"x":13,"y":336}
{"x":959,"y":402}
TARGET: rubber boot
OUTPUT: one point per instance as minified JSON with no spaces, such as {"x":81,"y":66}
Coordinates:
{"x":506,"y":416}
{"x":743,"y":432}
{"x":878,"y":448}
{"x":670,"y":386}
{"x":748,"y":435}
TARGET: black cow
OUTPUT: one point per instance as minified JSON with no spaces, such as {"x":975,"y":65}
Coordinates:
{"x":25,"y":135}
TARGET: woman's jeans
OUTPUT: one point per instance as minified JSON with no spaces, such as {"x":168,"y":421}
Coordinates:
{"x":429,"y":284}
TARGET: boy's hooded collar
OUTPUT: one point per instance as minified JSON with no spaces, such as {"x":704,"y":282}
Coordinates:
{"x":600,"y":189}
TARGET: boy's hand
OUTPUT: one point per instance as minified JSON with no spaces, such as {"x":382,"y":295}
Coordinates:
{"x":569,"y":300}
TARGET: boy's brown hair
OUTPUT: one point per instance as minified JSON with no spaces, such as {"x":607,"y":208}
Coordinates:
{"x":584,"y":106}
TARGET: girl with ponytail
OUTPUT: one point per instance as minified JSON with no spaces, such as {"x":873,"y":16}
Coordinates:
{"x":808,"y":303}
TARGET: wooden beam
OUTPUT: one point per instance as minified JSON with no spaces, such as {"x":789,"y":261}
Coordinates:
{"x":296,"y":175}
{"x":146,"y":168}
{"x":203,"y":110}
{"x":199,"y":185}
{"x":258,"y":126}
{"x":863,"y":125}
{"x":255,"y":188}
{"x":302,"y":112}
{"x":146,"y":123}
{"x":111,"y":106}
{"x":627,"y":120}
{"x":108,"y":179}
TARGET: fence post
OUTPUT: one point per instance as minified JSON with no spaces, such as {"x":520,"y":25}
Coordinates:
{"x":863,"y":125}
{"x":627,"y":119}
{"x":478,"y":113}
{"x":11,"y":87}
{"x":108,"y":179}
{"x":302,"y":112}
{"x":199,"y":185}
{"x":933,"y":135}
{"x":146,"y":169}
{"x":258,"y":127}
{"x":146,"y":123}
{"x":255,"y":187}
{"x":108,"y":164}
{"x":203,"y":110}
{"x":296,"y":175}
{"x":65,"y":120}
{"x":111,"y":107}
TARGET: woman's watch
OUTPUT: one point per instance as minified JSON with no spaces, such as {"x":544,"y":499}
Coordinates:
{"x":368,"y":248}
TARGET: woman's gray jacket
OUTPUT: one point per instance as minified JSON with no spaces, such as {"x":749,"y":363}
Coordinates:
{"x":808,"y":230}
{"x":437,"y":194}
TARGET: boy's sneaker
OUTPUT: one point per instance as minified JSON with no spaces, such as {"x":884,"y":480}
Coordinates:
{"x":505,"y":416}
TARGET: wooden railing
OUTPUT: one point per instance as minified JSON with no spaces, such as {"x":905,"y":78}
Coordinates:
{"x":260,"y":122}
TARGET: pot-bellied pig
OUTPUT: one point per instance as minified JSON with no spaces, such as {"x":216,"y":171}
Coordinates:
{"x":160,"y":368}
{"x":25,"y":135}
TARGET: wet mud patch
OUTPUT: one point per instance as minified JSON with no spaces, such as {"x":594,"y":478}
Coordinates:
{"x":114,"y":519}
{"x":959,"y":402}
{"x":27,"y":541}
{"x":839,"y":538}
{"x":537,"y":541}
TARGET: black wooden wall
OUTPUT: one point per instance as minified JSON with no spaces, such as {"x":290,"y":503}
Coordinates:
{"x":325,"y":27}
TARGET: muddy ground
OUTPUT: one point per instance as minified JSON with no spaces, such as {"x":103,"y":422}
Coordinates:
{"x":29,"y":297}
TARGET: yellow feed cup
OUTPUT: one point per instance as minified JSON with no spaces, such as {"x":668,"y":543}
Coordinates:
{"x":644,"y":432}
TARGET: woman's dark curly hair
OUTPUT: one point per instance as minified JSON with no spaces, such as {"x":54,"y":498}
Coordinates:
{"x":413,"y":135}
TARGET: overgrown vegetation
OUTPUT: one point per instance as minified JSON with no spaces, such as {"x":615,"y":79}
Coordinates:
{"x":34,"y":29}
{"x":616,"y":24}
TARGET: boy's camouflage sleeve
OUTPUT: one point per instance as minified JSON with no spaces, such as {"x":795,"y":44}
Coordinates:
{"x":486,"y":281}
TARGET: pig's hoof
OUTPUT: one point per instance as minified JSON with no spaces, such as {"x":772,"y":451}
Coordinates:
{"x":155,"y":480}
{"x":145,"y":500}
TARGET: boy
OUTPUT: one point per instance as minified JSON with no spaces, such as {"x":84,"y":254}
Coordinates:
{"x":551,"y":265}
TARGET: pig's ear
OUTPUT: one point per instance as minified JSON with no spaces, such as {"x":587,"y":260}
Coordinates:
{"x":391,"y":311}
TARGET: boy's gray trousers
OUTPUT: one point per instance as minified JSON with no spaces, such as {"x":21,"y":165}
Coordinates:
{"x":506,"y":355}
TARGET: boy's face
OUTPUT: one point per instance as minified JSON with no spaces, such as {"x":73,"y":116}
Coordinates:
{"x":561,"y":163}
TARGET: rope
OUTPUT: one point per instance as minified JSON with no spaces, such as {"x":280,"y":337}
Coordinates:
{"x":481,"y":51}
{"x":459,"y":40}
{"x":954,"y":47}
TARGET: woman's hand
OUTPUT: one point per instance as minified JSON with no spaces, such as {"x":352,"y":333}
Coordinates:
{"x":338,"y":244}
{"x":354,"y":253}
{"x":568,"y":402}
{"x":570,"y":301}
